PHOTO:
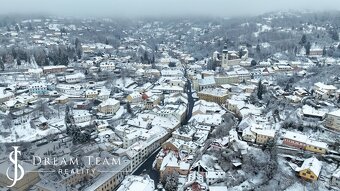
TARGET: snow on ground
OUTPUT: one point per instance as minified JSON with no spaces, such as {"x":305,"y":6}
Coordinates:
{"x":24,"y":132}
{"x":296,"y":186}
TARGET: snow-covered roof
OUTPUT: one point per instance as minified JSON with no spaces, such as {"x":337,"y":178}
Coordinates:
{"x":207,"y":81}
{"x":75,"y":76}
{"x":313,"y":164}
{"x":317,"y":144}
{"x":324,"y":86}
{"x":308,"y":110}
{"x":109,"y":102}
{"x":265,"y":132}
{"x":295,"y":136}
{"x":169,"y":160}
{"x":335,"y":113}
{"x":214,"y":92}
{"x":215,"y":174}
{"x":141,"y":183}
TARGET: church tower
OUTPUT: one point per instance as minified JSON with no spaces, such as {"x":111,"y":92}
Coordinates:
{"x":225,"y":57}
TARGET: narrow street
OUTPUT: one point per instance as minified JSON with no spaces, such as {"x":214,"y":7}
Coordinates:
{"x":191,"y":100}
{"x":146,"y":168}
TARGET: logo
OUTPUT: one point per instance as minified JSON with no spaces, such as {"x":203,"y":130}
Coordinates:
{"x":13,"y":157}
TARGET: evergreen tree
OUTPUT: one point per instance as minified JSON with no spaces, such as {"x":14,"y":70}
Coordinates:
{"x":303,"y":39}
{"x":258,"y":48}
{"x":17,"y":28}
{"x":253,"y":63}
{"x":128,"y":107}
{"x":30,"y":27}
{"x":46,"y":62}
{"x":78,"y":47}
{"x":324,"y":52}
{"x":2,"y":66}
{"x":307,"y":48}
{"x":334,"y":35}
{"x":260,"y":90}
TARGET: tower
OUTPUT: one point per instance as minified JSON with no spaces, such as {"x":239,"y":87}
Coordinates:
{"x":225,"y":57}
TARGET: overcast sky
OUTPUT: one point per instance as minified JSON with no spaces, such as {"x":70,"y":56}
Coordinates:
{"x":131,"y":8}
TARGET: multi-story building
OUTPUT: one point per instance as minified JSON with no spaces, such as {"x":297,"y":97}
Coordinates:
{"x":38,"y":88}
{"x":217,"y":95}
{"x":134,"y":97}
{"x":295,"y":139}
{"x":109,"y":106}
{"x":107,"y":66}
{"x":333,"y":120}
{"x":323,"y":91}
{"x":5,"y":95}
{"x":91,"y":94}
{"x":335,"y":180}
{"x":316,"y":146}
{"x":74,"y":78}
{"x":111,"y":178}
{"x":81,"y":116}
{"x":30,"y":177}
{"x":264,"y":135}
{"x":54,"y":69}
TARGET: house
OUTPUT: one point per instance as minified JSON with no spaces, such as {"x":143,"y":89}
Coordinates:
{"x":171,"y":164}
{"x":215,"y":176}
{"x":74,"y":78}
{"x":109,"y":106}
{"x":107,"y":66}
{"x":152,"y":102}
{"x":310,"y":169}
{"x":141,"y":183}
{"x":104,"y":94}
{"x":184,"y":133}
{"x":315,"y":52}
{"x":166,"y":88}
{"x":195,"y":182}
{"x":264,"y":135}
{"x":62,"y":99}
{"x":207,"y":82}
{"x":335,"y":180}
{"x":172,"y":145}
{"x":91,"y":94}
{"x":332,"y":120}
{"x":41,"y":123}
{"x":38,"y":88}
{"x":248,"y":135}
{"x":134,"y":97}
{"x":323,"y":91}
{"x":81,"y":116}
{"x":5,"y":95}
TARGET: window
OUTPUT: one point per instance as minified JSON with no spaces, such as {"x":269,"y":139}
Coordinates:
{"x":304,"y":174}
{"x":311,"y":176}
